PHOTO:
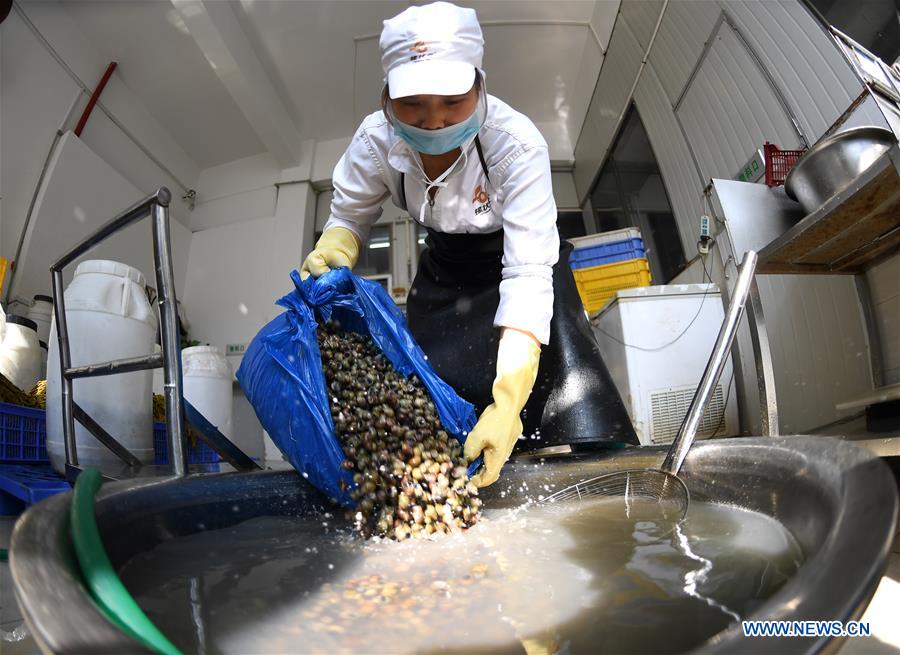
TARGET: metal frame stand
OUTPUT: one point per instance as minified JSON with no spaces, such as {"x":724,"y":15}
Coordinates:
{"x":762,"y":356}
{"x":156,"y":206}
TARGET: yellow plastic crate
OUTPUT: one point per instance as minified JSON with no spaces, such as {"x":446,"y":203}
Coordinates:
{"x":597,"y":284}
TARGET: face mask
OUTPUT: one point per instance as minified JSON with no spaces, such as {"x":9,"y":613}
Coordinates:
{"x":437,"y":142}
{"x":463,"y":133}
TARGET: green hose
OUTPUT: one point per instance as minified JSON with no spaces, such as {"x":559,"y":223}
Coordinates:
{"x":106,"y":587}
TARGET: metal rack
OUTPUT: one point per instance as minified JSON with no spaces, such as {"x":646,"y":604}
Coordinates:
{"x":156,"y":206}
{"x":851,"y":232}
{"x":848,"y":234}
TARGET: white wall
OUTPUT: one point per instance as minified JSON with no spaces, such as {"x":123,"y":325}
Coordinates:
{"x":81,"y":193}
{"x":623,"y":58}
{"x":42,"y":95}
{"x":728,"y":105}
{"x":707,"y":101}
{"x":237,"y":270}
{"x":884,"y":287}
{"x":237,"y":191}
{"x":564,"y":192}
{"x":327,"y":155}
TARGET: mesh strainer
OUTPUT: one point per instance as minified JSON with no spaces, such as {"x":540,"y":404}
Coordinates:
{"x":662,"y":487}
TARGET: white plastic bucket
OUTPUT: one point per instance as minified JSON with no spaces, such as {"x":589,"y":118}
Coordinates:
{"x":20,"y":353}
{"x":41,"y":312}
{"x":208,"y":387}
{"x":108,"y":318}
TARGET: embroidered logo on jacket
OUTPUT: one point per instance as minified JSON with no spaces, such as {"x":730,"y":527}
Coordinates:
{"x":482,"y":200}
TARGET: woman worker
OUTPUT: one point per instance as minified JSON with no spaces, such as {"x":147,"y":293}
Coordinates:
{"x":493,"y":285}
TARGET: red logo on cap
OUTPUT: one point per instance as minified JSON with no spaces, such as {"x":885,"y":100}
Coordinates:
{"x":419,"y":46}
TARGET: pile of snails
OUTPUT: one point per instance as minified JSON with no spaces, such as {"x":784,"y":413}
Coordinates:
{"x":409,"y":473}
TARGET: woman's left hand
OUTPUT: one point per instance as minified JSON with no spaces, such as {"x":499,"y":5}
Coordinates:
{"x":500,"y":425}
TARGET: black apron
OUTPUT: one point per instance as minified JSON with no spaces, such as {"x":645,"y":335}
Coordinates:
{"x":450,"y":311}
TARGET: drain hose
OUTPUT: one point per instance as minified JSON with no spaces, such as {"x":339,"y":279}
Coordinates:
{"x":105,"y":586}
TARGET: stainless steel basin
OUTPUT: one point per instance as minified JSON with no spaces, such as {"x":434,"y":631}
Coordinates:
{"x":833,"y":163}
{"x":838,"y":500}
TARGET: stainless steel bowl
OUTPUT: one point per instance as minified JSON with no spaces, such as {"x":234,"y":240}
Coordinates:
{"x":833,"y":163}
{"x":838,"y":500}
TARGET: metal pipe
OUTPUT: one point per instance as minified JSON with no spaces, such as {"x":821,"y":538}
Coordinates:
{"x":762,"y":355}
{"x":37,"y":189}
{"x":171,"y":350}
{"x":94,"y":97}
{"x":105,"y":437}
{"x":126,"y":365}
{"x":714,"y":367}
{"x":840,"y":120}
{"x":65,"y":361}
{"x":157,"y":206}
{"x":218,"y":441}
{"x":130,"y":215}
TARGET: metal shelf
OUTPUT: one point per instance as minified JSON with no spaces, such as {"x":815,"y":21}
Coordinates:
{"x":851,"y":232}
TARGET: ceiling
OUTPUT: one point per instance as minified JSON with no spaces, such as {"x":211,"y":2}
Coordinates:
{"x":234,"y":79}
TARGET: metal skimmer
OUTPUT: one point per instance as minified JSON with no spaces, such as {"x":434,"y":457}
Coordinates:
{"x":662,"y":489}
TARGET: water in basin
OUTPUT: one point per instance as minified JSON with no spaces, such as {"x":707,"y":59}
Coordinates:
{"x":586,"y":578}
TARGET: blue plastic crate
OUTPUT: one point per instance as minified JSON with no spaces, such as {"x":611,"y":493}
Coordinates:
{"x":607,"y":253}
{"x":23,"y":486}
{"x":199,"y":454}
{"x":23,"y":434}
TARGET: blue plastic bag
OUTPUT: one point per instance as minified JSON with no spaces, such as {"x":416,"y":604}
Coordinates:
{"x":281,"y":372}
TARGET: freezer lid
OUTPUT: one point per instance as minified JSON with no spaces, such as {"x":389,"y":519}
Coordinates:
{"x":658,"y":291}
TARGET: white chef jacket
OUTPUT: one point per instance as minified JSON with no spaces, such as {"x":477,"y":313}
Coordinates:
{"x":518,"y":199}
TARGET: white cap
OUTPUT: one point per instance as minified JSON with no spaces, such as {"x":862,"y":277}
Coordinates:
{"x":431,"y":50}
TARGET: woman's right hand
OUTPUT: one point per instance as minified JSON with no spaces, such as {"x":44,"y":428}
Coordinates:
{"x":335,"y":248}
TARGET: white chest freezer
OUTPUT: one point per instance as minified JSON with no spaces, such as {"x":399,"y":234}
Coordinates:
{"x":656,"y":342}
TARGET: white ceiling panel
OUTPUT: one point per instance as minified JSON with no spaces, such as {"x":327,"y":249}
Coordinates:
{"x":504,"y":10}
{"x":534,"y":67}
{"x":604,"y":19}
{"x":311,"y":47}
{"x":321,"y":61}
{"x":319,"y":48}
{"x":160,"y":62}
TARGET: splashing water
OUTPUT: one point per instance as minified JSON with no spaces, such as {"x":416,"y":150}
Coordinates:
{"x":546,"y":578}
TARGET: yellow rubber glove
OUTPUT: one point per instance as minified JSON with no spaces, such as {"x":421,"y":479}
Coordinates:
{"x":336,"y":247}
{"x":500,"y":425}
